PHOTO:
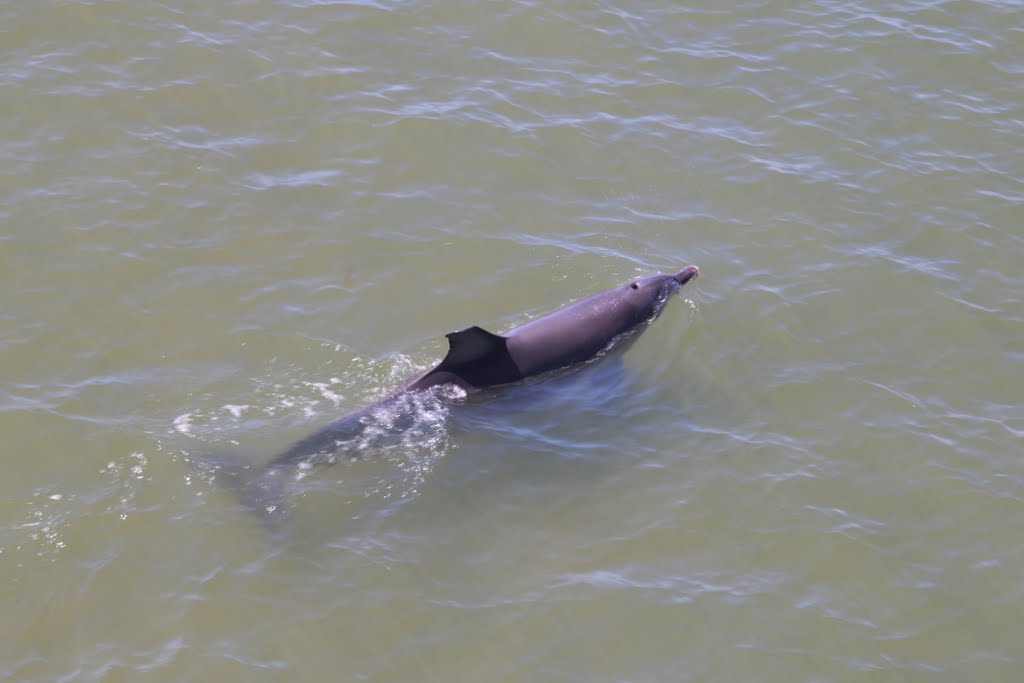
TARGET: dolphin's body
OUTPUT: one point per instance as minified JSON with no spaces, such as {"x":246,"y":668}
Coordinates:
{"x":478,"y":359}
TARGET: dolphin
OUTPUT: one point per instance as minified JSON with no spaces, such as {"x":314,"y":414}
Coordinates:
{"x":478,"y":359}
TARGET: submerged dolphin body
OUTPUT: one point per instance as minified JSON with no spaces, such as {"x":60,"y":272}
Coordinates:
{"x":478,"y":359}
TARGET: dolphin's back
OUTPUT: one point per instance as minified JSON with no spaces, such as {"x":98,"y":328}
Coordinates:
{"x":572,"y":334}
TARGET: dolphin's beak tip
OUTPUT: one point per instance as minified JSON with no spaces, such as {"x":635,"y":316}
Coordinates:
{"x":687,"y":274}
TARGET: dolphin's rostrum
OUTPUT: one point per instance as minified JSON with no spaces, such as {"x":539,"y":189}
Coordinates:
{"x":477,"y":359}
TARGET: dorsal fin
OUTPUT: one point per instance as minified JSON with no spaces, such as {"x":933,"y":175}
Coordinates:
{"x":472,"y":344}
{"x":478,"y":358}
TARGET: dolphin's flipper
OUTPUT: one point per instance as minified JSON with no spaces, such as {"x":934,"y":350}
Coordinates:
{"x":479,"y":358}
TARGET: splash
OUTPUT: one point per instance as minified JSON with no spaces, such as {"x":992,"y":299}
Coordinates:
{"x":406,"y":430}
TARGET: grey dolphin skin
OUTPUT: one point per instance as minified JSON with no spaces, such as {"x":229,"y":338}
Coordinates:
{"x":478,"y":359}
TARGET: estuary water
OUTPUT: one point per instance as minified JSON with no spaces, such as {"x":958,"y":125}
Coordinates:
{"x":223,"y":225}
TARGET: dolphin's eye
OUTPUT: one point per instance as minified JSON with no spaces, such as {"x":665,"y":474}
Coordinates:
{"x":634,"y":285}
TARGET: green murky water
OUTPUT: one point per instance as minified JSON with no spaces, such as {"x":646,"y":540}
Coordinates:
{"x":223,"y":225}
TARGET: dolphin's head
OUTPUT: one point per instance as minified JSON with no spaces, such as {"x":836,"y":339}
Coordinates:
{"x":649,"y":294}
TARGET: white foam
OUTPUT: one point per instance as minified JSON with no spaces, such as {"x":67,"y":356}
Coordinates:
{"x":183,"y":423}
{"x":325,"y":390}
{"x":236,"y":411}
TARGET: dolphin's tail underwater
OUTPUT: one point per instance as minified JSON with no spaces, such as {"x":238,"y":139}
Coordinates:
{"x":264,"y":486}
{"x":261,"y":487}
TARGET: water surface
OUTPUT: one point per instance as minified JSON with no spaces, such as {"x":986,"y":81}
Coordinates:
{"x":225,"y":225}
